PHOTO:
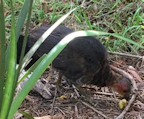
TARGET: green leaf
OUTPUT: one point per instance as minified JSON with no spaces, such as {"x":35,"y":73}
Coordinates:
{"x":87,"y":21}
{"x":2,"y":52}
{"x":116,"y":3}
{"x":27,"y":115}
{"x":77,"y":17}
{"x":32,"y":68}
{"x":19,"y":24}
{"x":25,"y":41}
{"x":22,"y":17}
{"x":10,"y":78}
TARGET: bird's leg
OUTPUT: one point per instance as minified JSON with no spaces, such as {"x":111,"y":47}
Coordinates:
{"x":82,"y":91}
{"x":50,"y":73}
{"x":79,"y":83}
{"x":47,"y":87}
{"x":59,"y":78}
{"x":58,"y":82}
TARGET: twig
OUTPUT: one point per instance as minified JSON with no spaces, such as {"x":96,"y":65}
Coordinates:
{"x":60,"y":110}
{"x":82,"y":4}
{"x":93,"y":108}
{"x":29,"y":99}
{"x":54,"y":99}
{"x":124,"y":54}
{"x":78,"y":95}
{"x":140,"y":86}
{"x":88,"y":105}
{"x":76,"y":111}
{"x":104,"y":93}
{"x":134,"y":89}
{"x":139,"y":116}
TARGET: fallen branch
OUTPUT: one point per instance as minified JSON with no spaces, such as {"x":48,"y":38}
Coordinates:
{"x":93,"y":108}
{"x":134,"y":88}
{"x":124,"y":54}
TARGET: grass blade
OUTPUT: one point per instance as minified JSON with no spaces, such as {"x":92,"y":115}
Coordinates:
{"x":19,"y":24}
{"x":25,"y":40}
{"x":21,"y":18}
{"x":10,"y":78}
{"x":32,"y":68}
{"x":2,"y":52}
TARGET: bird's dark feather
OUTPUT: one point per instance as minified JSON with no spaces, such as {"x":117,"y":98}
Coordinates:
{"x":83,"y":61}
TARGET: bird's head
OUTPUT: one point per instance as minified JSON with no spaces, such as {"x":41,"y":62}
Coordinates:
{"x":123,"y":87}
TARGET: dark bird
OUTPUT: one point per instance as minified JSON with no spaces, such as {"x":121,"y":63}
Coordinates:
{"x":83,"y":61}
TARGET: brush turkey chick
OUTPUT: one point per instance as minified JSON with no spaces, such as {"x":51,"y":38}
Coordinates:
{"x":83,"y":61}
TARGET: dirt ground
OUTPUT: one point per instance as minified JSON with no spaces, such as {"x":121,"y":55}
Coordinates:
{"x":66,"y":104}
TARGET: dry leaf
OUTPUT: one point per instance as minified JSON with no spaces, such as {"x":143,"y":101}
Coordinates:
{"x":134,"y":73}
{"x":119,"y":63}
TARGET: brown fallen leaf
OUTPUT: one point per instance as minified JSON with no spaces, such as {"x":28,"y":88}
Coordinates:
{"x":119,"y":63}
{"x":131,"y":70}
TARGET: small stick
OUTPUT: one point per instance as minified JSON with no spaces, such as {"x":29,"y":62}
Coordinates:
{"x":53,"y":102}
{"x":82,"y":4}
{"x":103,"y":93}
{"x":125,"y":54}
{"x":76,"y":111}
{"x":93,"y":108}
{"x":78,"y":95}
{"x":88,"y":105}
{"x":61,"y":111}
{"x":29,"y":99}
